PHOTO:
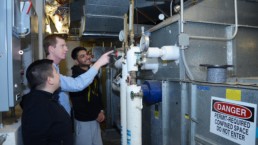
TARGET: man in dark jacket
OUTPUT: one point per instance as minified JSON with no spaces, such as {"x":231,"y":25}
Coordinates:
{"x":87,"y":104}
{"x":44,"y":120}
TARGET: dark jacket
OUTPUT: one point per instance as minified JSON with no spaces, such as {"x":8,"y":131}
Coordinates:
{"x":44,"y":120}
{"x":86,"y":103}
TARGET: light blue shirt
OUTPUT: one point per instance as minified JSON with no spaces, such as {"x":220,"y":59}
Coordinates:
{"x":70,"y":84}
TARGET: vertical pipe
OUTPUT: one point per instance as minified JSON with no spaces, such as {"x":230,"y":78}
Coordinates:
{"x":165,"y":114}
{"x":182,"y":16}
{"x":123,"y":101}
{"x":131,"y":22}
{"x":125,"y":32}
{"x":193,"y":113}
{"x":109,"y":110}
{"x":184,"y":108}
{"x":134,"y":116}
{"x":134,"y":103}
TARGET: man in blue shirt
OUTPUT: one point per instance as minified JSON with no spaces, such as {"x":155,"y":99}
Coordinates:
{"x":56,"y":49}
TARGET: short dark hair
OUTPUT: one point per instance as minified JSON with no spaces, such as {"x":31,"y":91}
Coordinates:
{"x":50,"y":40}
{"x":76,"y":51}
{"x":38,"y":72}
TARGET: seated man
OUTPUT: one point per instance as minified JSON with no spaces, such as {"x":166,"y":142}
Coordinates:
{"x":44,"y":120}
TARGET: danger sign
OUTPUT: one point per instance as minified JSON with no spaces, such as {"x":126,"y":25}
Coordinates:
{"x":233,"y":120}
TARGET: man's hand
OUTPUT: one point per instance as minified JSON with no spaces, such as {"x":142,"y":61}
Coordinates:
{"x":101,"y":117}
{"x":103,"y":60}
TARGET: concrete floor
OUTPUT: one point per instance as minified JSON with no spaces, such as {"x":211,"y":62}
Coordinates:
{"x":111,"y":137}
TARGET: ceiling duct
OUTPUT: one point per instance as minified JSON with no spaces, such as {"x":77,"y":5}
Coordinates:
{"x":103,"y":18}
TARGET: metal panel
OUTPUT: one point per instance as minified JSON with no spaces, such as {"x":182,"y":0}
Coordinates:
{"x":3,"y":57}
{"x":171,"y":113}
{"x":14,"y":62}
{"x":203,"y":51}
{"x":152,"y":124}
{"x":246,"y":55}
{"x":222,"y":11}
{"x":203,"y":105}
{"x":11,"y":79}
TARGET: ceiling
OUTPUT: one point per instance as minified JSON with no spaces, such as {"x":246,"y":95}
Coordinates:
{"x":91,"y":19}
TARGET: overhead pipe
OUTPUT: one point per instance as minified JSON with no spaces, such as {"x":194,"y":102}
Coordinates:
{"x":98,"y":34}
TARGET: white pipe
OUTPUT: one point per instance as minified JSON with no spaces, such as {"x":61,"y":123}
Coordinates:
{"x":123,"y":102}
{"x":134,"y":116}
{"x":151,"y":64}
{"x":131,"y":59}
{"x":165,"y":53}
{"x":131,"y":17}
{"x":118,"y":63}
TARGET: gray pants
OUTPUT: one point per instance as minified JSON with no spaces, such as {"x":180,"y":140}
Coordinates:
{"x":87,"y":133}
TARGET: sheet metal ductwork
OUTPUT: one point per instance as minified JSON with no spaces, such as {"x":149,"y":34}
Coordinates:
{"x":103,"y":18}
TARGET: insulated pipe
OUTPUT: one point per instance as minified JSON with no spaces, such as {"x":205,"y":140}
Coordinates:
{"x":118,"y":63}
{"x":123,"y":98}
{"x":131,"y":22}
{"x":134,"y":115}
{"x":131,"y":59}
{"x":165,"y":53}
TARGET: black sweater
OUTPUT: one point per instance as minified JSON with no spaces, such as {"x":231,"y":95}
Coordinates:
{"x":44,"y":120}
{"x":87,"y":103}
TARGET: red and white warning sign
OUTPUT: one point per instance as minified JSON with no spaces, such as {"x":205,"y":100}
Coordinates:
{"x":233,"y":120}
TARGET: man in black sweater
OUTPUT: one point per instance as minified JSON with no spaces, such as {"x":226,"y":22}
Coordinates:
{"x":44,"y":120}
{"x":87,"y":104}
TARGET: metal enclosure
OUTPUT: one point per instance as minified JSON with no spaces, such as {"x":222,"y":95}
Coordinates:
{"x":103,"y":18}
{"x":10,"y":55}
{"x":186,"y":104}
{"x":201,"y":108}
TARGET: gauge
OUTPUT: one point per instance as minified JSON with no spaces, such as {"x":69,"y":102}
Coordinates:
{"x":121,"y":35}
{"x":144,"y":43}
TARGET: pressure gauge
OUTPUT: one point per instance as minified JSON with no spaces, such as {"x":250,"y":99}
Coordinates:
{"x":121,"y":35}
{"x":144,"y":43}
{"x":161,"y":17}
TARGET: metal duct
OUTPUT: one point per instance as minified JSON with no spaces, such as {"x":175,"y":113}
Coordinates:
{"x":103,"y":18}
